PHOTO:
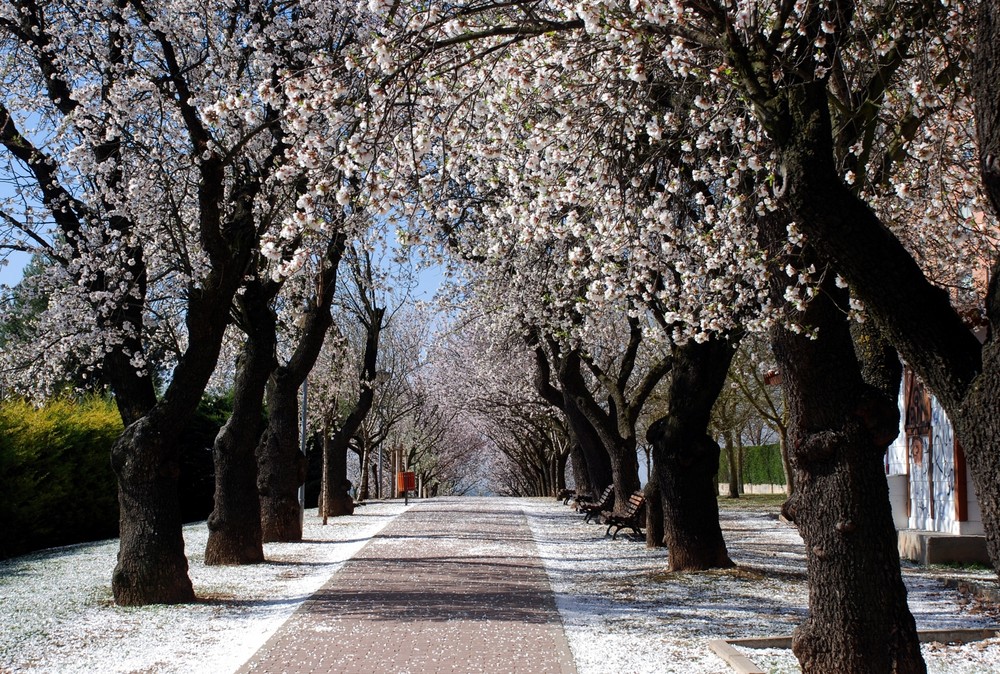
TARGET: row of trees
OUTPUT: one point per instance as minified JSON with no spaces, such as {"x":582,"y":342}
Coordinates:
{"x":149,"y":166}
{"x":685,"y":173}
{"x":633,"y":187}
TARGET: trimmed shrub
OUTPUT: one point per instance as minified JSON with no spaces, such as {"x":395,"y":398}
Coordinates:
{"x":761,"y":465}
{"x":56,"y":482}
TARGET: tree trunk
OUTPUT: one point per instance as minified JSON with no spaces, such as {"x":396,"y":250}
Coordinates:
{"x":234,"y":529}
{"x":578,"y":467}
{"x":234,"y":526}
{"x":336,"y":501}
{"x":977,"y":422}
{"x":733,"y":457}
{"x":281,"y":465}
{"x":786,"y":463}
{"x":624,"y":470}
{"x":915,"y":315}
{"x":654,"y":514}
{"x":560,"y":467}
{"x":591,"y":465}
{"x":152,"y":568}
{"x":686,"y":458}
{"x":595,"y":456}
{"x":366,"y":458}
{"x":839,"y":429}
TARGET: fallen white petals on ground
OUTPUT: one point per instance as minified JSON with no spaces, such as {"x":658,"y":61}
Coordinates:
{"x":57,"y":613}
{"x":623,"y":613}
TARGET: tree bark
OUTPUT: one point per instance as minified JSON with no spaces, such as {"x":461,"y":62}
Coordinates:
{"x":591,"y":456}
{"x":365,"y":461}
{"x":234,"y":529}
{"x":686,"y":458}
{"x":152,"y":567}
{"x":602,"y":449}
{"x":337,"y":499}
{"x":839,"y":429}
{"x":977,"y":423}
{"x":734,"y":466}
{"x":624,"y":469}
{"x":655,"y":536}
{"x":281,"y":466}
{"x":786,"y":463}
{"x":578,"y":466}
{"x":560,"y":461}
{"x":879,"y":361}
{"x":595,"y":456}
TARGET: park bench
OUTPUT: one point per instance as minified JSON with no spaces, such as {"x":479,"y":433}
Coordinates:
{"x":592,"y":509}
{"x":632,"y":518}
{"x":565,"y":495}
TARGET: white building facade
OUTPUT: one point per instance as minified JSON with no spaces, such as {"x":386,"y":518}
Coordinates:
{"x":929,"y":485}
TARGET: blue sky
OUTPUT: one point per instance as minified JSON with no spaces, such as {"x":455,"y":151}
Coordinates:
{"x":10,"y":274}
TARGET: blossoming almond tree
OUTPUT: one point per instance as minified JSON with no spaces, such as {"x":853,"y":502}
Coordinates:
{"x":140,"y":191}
{"x":158,"y":150}
{"x":772,"y":55}
{"x":479,"y":373}
{"x":763,"y":78}
{"x":502,"y":175}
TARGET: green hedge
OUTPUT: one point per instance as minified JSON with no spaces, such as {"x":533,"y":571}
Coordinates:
{"x":56,"y":482}
{"x":761,"y":465}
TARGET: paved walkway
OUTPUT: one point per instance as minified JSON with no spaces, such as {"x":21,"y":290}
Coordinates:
{"x":448,"y":586}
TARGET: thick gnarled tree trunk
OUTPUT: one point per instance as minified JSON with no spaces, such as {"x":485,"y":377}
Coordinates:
{"x":686,"y":458}
{"x":281,"y":465}
{"x":152,"y":567}
{"x":839,"y":430}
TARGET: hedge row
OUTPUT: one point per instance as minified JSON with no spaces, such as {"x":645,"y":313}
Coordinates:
{"x":56,"y":482}
{"x":760,"y":465}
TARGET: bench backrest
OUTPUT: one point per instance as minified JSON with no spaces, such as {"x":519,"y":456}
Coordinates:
{"x":607,"y":496}
{"x":635,"y":501}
